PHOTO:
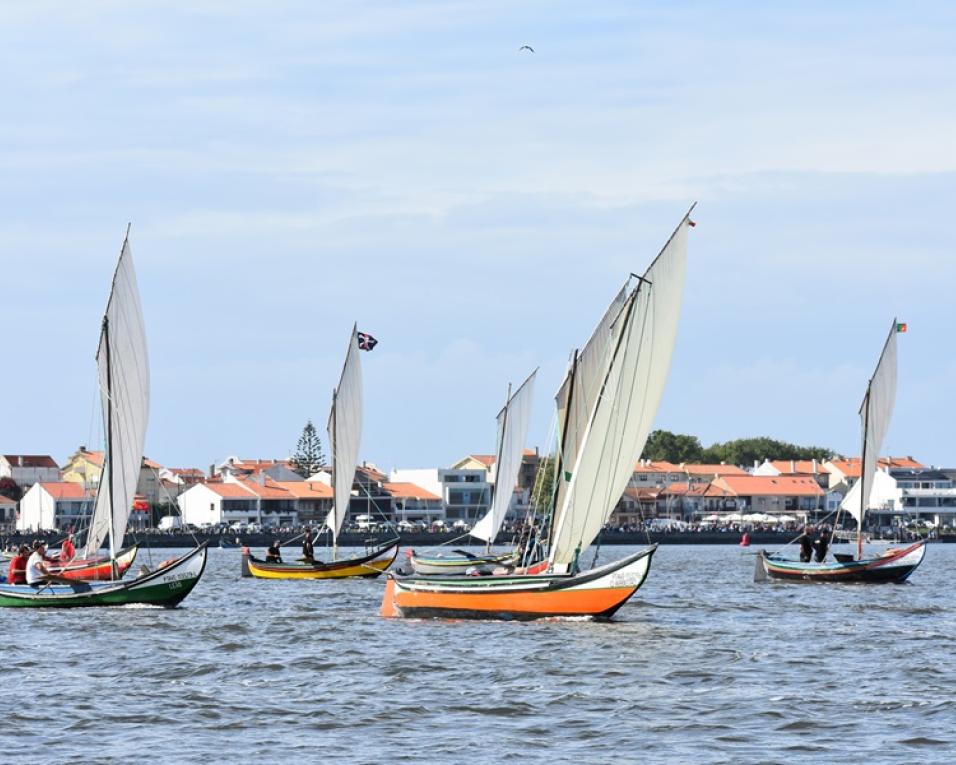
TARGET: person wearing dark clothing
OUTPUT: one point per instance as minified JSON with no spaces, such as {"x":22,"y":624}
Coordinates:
{"x":822,"y":544}
{"x":272,"y":554}
{"x":308,"y":551}
{"x":806,"y":545}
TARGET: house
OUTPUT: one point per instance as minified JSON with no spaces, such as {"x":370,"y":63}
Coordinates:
{"x":781,"y":495}
{"x":85,"y":467}
{"x":683,"y":500}
{"x":844,"y":472}
{"x":313,"y":499}
{"x":277,"y":470}
{"x":411,"y":502}
{"x":8,"y":511}
{"x":28,"y":469}
{"x":635,"y":506}
{"x":913,"y":493}
{"x":469,"y":506}
{"x":237,"y":500}
{"x":54,"y":505}
{"x":464,"y":494}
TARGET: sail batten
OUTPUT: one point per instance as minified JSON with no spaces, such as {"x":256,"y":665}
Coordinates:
{"x":345,"y":433}
{"x":636,"y":359}
{"x":123,"y":371}
{"x":513,"y":422}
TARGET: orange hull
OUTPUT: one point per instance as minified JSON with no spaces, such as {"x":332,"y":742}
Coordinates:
{"x":98,"y":570}
{"x":597,"y":593}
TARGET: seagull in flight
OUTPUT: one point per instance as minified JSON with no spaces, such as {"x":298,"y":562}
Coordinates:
{"x":526,"y":47}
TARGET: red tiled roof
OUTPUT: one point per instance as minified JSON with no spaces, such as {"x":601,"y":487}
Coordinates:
{"x":642,"y":494}
{"x":694,"y":469}
{"x":798,"y":467}
{"x":683,"y":488}
{"x":30,"y":460}
{"x":95,"y":457}
{"x":406,"y":490}
{"x":851,"y":467}
{"x":658,"y":466}
{"x":307,"y":489}
{"x":6,"y":500}
{"x":147,"y":462}
{"x":230,"y":490}
{"x":65,"y":490}
{"x":756,"y":485}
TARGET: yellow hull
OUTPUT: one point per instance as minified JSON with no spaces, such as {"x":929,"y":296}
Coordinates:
{"x":369,"y":566}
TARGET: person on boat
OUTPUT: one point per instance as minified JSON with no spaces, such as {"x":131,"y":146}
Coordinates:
{"x":806,"y":544}
{"x":308,"y":551}
{"x":37,"y":571}
{"x":67,"y":550}
{"x":822,"y":544}
{"x":17,"y":572}
{"x":272,"y":554}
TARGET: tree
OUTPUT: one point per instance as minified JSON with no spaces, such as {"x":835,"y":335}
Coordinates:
{"x":308,"y":457}
{"x":672,"y":447}
{"x":746,"y":451}
{"x":543,"y":485}
{"x":10,"y":489}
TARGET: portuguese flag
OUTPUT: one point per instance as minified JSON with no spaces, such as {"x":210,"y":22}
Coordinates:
{"x":901,"y":327}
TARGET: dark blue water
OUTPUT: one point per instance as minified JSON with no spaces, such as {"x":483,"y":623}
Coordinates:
{"x":702,"y":666}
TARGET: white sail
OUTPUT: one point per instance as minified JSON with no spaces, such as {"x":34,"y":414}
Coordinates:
{"x":875,"y":414}
{"x":577,"y":394}
{"x":124,"y":392}
{"x":626,"y":402}
{"x":345,"y":434}
{"x":513,"y":422}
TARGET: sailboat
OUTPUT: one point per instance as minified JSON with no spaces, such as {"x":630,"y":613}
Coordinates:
{"x":345,"y":431}
{"x":123,"y":369}
{"x":892,"y":565}
{"x":513,"y":421}
{"x":605,"y":409}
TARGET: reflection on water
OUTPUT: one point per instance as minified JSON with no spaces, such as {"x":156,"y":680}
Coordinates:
{"x":703,"y":665}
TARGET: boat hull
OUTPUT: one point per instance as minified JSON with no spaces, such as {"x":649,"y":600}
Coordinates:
{"x":892,"y":566}
{"x":368,"y":566}
{"x":97,"y":569}
{"x":167,"y":586}
{"x":458,"y":564}
{"x":598,"y":593}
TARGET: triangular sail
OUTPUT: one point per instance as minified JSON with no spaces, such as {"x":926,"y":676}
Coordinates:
{"x":345,"y":433}
{"x":626,"y":402}
{"x":577,"y":394}
{"x":123,"y":366}
{"x":875,"y":414}
{"x":513,"y":422}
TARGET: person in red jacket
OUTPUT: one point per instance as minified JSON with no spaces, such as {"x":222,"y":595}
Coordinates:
{"x":17,"y":573}
{"x":67,"y":550}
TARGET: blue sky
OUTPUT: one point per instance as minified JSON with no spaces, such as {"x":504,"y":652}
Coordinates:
{"x":290,"y":168}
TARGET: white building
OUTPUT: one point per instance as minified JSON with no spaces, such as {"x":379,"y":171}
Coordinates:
{"x":235,"y":500}
{"x":465,"y":493}
{"x":28,"y":469}
{"x":54,"y":505}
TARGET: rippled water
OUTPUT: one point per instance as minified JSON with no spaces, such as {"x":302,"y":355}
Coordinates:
{"x":701,"y":666}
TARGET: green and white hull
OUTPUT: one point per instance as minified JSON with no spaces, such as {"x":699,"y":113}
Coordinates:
{"x":167,"y":586}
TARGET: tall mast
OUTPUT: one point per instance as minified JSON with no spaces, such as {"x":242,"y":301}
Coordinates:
{"x":501,"y":443}
{"x":863,"y":492}
{"x":109,"y":434}
{"x":559,"y":457}
{"x":335,"y":477}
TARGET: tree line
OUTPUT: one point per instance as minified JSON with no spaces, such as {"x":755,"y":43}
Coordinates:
{"x":678,"y":447}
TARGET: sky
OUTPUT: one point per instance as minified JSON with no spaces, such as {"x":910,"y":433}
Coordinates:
{"x":292,"y":168}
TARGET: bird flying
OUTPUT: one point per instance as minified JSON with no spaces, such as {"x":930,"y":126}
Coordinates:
{"x":526,"y":47}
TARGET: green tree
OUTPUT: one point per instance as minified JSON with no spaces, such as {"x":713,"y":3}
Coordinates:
{"x":308,"y":457}
{"x":746,"y":451}
{"x":10,"y":489}
{"x":543,"y":485}
{"x":672,"y":447}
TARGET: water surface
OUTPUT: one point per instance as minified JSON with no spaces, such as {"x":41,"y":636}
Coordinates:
{"x":702,"y":666}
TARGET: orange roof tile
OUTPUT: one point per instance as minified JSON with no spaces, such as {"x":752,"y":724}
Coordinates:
{"x":307,"y":489}
{"x":30,"y":460}
{"x":695,"y":469}
{"x":658,"y":466}
{"x":757,"y":485}
{"x":65,"y":490}
{"x":94,"y":457}
{"x":406,"y":490}
{"x":798,"y":467}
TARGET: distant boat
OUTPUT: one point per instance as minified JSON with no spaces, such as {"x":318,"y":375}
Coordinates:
{"x":345,"y":432}
{"x":893,"y":565}
{"x":124,"y":392}
{"x":513,"y":421}
{"x":605,"y":408}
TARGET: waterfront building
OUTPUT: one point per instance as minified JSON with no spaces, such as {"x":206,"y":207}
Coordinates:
{"x":8,"y":511}
{"x":238,"y":500}
{"x":277,"y":470}
{"x":28,"y":469}
{"x":55,"y":505}
{"x":781,"y":495}
{"x":463,"y":493}
{"x":85,"y":467}
{"x":908,"y":494}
